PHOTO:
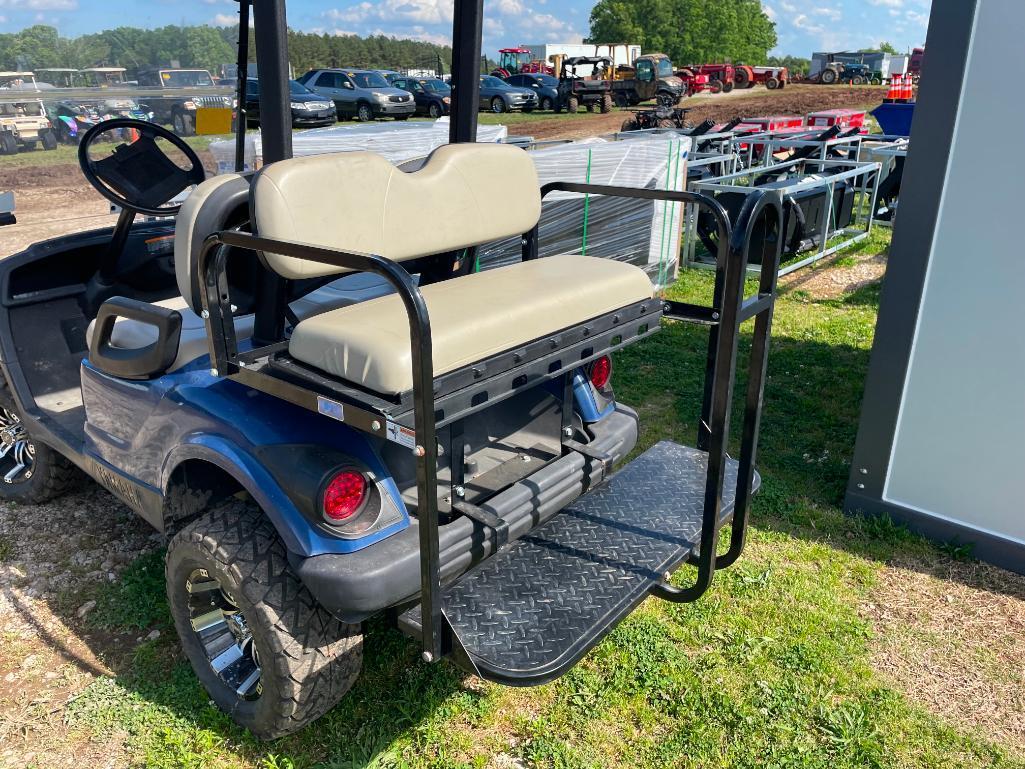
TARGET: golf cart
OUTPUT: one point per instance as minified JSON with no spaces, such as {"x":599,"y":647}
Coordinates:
{"x":331,"y":417}
{"x":591,"y":90}
{"x":23,"y":120}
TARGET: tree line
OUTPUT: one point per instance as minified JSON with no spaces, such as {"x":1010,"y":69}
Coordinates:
{"x":206,"y":47}
{"x":689,"y":31}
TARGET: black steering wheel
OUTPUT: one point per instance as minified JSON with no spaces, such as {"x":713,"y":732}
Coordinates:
{"x":138,"y":175}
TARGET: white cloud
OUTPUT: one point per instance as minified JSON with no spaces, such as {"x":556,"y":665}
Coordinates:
{"x":787,"y":6}
{"x":769,"y":11}
{"x":887,"y":3}
{"x":395,"y":11}
{"x":921,"y":19}
{"x":227,"y":20}
{"x":802,"y":22}
{"x":833,"y":14}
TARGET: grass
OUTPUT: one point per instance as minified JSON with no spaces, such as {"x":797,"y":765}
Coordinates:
{"x":770,"y":668}
{"x":66,"y":153}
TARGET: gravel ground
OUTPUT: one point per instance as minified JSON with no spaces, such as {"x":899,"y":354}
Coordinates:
{"x":53,"y":557}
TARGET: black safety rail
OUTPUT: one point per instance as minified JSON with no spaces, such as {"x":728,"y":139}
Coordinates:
{"x":266,"y":369}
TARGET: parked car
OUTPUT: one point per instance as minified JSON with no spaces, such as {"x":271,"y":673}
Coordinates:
{"x":361,"y":93}
{"x":178,"y":108}
{"x":432,"y":96}
{"x":309,"y":109}
{"x":498,"y":96}
{"x":545,"y":87}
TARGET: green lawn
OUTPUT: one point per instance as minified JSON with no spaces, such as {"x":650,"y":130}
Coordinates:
{"x":770,"y":668}
{"x":67,"y":153}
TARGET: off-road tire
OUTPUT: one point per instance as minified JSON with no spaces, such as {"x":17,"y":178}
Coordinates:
{"x":727,"y":86}
{"x":857,"y":80}
{"x":435,"y":110}
{"x":667,"y":123}
{"x":630,"y":124}
{"x":498,"y":105}
{"x":572,"y":105}
{"x":8,"y":144}
{"x":308,"y":658}
{"x":782,"y":84}
{"x":740,"y":78}
{"x":715,"y":86}
{"x":49,"y":139}
{"x":771,"y":83}
{"x":547,"y":105}
{"x":606,"y":104}
{"x":365,"y":113}
{"x":53,"y":474}
{"x":183,"y":124}
{"x":827,"y":76}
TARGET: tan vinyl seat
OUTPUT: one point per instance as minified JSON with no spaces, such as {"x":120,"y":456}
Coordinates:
{"x":472,"y":318}
{"x":467,"y":194}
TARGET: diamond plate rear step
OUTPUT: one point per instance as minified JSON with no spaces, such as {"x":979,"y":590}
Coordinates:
{"x":525,"y":615}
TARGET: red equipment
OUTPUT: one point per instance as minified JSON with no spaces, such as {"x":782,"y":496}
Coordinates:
{"x":694,"y":83}
{"x":514,"y":61}
{"x":771,"y":77}
{"x":746,"y":76}
{"x":720,"y":76}
{"x":845,"y":118}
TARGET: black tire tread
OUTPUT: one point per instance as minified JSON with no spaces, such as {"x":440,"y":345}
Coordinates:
{"x":316,"y":658}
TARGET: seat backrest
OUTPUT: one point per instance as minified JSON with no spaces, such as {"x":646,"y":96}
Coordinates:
{"x":464,"y":195}
{"x":217,"y":203}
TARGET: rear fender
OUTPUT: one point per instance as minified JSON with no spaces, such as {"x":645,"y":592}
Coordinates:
{"x":281,"y":496}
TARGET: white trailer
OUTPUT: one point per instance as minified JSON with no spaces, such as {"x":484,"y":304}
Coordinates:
{"x":621,"y":54}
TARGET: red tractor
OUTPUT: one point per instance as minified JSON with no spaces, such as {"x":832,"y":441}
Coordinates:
{"x":516,"y":61}
{"x":771,"y":77}
{"x":721,"y":77}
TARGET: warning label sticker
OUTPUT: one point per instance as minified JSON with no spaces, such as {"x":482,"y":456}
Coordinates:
{"x":404,"y":436}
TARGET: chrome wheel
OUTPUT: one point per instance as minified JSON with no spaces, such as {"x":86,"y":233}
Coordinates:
{"x":222,"y":631}
{"x":17,"y":452}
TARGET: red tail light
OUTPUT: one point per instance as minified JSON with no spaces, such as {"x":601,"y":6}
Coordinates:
{"x":601,"y":372}
{"x":344,"y":496}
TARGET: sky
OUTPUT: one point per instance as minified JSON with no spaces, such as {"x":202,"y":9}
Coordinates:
{"x":803,"y":26}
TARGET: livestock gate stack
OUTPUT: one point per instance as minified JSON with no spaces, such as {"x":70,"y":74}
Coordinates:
{"x":941,"y":443}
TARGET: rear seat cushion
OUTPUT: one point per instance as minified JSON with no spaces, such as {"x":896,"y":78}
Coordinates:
{"x":464,"y":195}
{"x":131,"y":334}
{"x":472,"y":318}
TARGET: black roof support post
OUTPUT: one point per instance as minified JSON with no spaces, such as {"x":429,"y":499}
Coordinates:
{"x":241,"y":76}
{"x":467,"y":19}
{"x":276,"y":127}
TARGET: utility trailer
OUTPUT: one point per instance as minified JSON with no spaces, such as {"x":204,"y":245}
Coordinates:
{"x":331,"y":419}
